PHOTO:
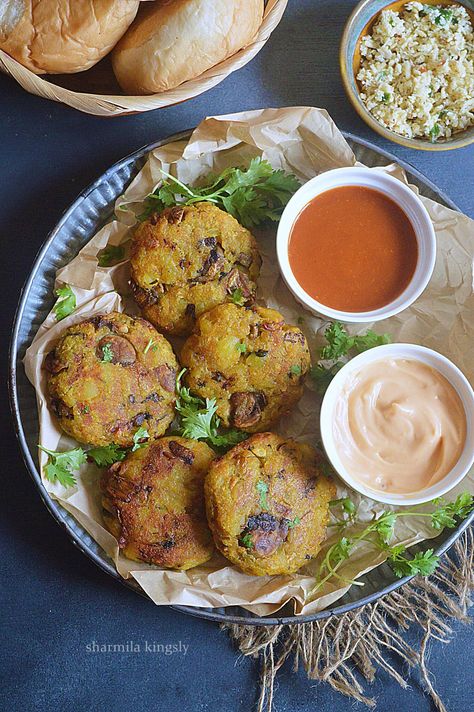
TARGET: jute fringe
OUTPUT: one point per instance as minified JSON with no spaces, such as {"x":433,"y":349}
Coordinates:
{"x":346,"y":651}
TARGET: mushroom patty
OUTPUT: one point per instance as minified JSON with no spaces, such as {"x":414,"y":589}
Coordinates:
{"x":109,"y":376}
{"x":250,"y":361}
{"x":188,"y":259}
{"x":153,"y":503}
{"x":267,"y":504}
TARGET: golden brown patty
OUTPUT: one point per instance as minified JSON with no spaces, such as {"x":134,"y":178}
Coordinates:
{"x":109,"y":376}
{"x":268,"y":504}
{"x":189,"y":259}
{"x":250,"y":361}
{"x":154,"y":503}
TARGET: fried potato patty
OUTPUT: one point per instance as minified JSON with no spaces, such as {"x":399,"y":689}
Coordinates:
{"x":153,"y":503}
{"x":250,"y":361}
{"x":187,"y":260}
{"x":110,"y":375}
{"x":267,"y":504}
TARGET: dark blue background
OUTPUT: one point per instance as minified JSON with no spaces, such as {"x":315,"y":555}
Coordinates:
{"x":54,"y":601}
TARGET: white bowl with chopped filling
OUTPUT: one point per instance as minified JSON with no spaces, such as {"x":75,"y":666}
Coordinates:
{"x":408,"y":69}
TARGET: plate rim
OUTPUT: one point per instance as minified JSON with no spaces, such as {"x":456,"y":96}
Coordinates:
{"x":55,"y":509}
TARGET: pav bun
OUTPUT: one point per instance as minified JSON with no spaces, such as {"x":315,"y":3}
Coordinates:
{"x":173,"y":41}
{"x":63,"y":36}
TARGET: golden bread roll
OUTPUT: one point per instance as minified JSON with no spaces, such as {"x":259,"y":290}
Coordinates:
{"x":63,"y":36}
{"x":172,"y":41}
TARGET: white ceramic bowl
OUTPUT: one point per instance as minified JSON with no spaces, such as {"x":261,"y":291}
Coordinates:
{"x":443,"y":366}
{"x":408,"y":201}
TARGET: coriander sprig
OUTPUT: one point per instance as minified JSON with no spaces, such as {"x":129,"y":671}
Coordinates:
{"x":252,"y":195}
{"x":339,"y":345}
{"x":379,"y":531}
{"x":199,"y":421}
{"x":66,"y":302}
{"x":61,"y":466}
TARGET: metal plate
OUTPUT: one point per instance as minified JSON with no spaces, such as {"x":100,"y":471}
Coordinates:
{"x":86,"y":215}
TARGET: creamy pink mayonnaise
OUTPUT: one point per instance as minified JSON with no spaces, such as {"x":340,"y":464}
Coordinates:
{"x":399,"y":426}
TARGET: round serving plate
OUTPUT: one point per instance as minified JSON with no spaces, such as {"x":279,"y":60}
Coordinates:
{"x":87,"y":214}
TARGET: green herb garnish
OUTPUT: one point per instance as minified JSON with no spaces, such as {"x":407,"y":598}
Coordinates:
{"x":198,"y":419}
{"x":140,"y":438}
{"x":339,"y":345}
{"x":295,"y":370}
{"x":252,"y":195}
{"x":293,"y":523}
{"x":61,"y":465}
{"x":262,"y":489}
{"x":107,"y":455}
{"x":386,"y":97}
{"x":380,"y":531}
{"x":110,"y":255}
{"x":150,"y":344}
{"x":434,"y":133}
{"x":241,"y":347}
{"x":107,"y":353}
{"x":238,"y":297}
{"x":246,"y":541}
{"x":66,"y":302}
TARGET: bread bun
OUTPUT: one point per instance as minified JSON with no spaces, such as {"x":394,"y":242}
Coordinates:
{"x":63,"y":36}
{"x":172,"y":41}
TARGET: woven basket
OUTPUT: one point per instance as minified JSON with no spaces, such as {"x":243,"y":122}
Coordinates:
{"x":75,"y":89}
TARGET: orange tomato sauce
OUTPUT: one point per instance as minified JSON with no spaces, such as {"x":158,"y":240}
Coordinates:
{"x":353,"y":249}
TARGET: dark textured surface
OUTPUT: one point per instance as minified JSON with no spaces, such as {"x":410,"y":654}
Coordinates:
{"x":54,"y":601}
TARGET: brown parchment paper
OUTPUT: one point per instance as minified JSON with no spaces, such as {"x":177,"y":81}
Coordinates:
{"x":304,"y":141}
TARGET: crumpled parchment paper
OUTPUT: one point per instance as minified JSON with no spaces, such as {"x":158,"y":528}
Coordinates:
{"x":304,"y":141}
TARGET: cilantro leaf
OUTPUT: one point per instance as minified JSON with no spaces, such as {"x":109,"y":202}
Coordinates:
{"x":110,"y":255}
{"x":384,"y":526}
{"x":246,"y":541}
{"x":61,"y":465}
{"x":237,"y":297}
{"x":340,"y":344}
{"x":242,"y":348}
{"x":199,"y":421}
{"x":447,"y":514}
{"x":295,"y":370}
{"x":346,"y":504}
{"x":150,"y":345}
{"x":293,"y":523}
{"x":107,"y":455}
{"x":66,"y":302}
{"x":424,"y":562}
{"x":262,"y":489}
{"x":140,"y":438}
{"x":107,"y":353}
{"x":252,"y":195}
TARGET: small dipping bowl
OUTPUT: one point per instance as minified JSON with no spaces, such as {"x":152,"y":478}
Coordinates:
{"x":400,"y":194}
{"x":414,"y":353}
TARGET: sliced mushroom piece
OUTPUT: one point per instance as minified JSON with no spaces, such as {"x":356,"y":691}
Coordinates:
{"x":244,"y":259}
{"x":212,"y":265}
{"x":53,"y":364}
{"x":181,"y":452}
{"x":175,"y":215}
{"x":121,"y":350}
{"x":236,"y":279}
{"x":294,"y":337}
{"x":166,"y":377}
{"x":246,"y":408}
{"x":264,"y":533}
{"x":62,"y":410}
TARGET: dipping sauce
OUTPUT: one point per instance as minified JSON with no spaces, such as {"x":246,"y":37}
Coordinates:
{"x":352,"y":248}
{"x":399,"y":426}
